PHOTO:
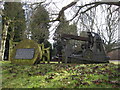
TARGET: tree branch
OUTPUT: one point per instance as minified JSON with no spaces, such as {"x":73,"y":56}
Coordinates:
{"x":94,"y":4}
{"x":63,"y":9}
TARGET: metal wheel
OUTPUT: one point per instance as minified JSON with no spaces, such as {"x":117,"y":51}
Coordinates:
{"x":88,"y":55}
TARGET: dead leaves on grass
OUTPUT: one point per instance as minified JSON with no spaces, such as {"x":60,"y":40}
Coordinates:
{"x":80,"y":73}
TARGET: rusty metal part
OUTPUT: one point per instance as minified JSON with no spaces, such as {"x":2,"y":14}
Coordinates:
{"x":70,"y":36}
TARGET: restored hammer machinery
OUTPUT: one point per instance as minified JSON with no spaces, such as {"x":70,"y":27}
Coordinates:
{"x":92,"y":50}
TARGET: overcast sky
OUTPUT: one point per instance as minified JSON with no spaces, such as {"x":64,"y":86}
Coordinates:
{"x":55,"y":8}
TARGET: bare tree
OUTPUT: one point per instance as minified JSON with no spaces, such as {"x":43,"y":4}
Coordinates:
{"x":109,"y":31}
{"x":89,"y":7}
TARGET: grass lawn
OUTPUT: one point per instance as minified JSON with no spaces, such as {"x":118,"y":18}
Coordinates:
{"x":60,"y":75}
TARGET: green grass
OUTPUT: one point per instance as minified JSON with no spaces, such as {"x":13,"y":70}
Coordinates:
{"x":115,"y":62}
{"x":60,"y":75}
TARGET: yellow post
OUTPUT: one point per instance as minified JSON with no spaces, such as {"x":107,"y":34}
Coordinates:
{"x":45,"y":53}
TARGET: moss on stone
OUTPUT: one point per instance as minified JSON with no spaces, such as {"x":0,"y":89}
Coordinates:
{"x":26,"y":44}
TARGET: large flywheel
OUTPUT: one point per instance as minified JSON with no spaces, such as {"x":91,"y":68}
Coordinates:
{"x":88,"y":54}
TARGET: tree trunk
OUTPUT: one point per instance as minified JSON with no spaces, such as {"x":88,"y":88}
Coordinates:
{"x":4,"y":36}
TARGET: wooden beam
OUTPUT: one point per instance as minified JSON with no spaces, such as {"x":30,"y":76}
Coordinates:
{"x":69,"y":36}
